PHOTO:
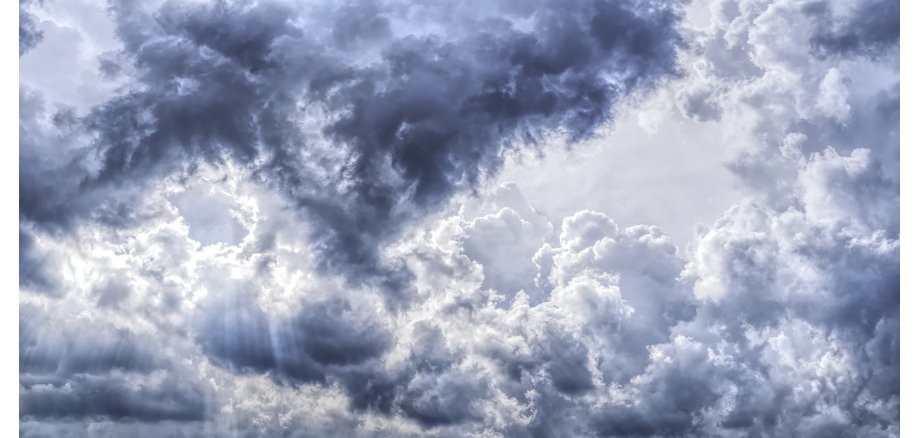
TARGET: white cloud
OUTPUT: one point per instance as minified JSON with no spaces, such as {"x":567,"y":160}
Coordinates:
{"x":545,"y":306}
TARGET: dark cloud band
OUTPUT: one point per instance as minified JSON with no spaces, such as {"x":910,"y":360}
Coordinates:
{"x":431,"y":115}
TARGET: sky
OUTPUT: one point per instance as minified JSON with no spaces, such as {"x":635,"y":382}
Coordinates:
{"x":487,"y":218}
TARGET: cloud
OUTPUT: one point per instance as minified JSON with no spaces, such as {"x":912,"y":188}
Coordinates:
{"x":232,"y":81}
{"x":215,"y":250}
{"x":504,"y":241}
{"x":29,"y":34}
{"x":320,"y":337}
{"x":105,"y":372}
{"x":617,"y":335}
{"x":209,"y":215}
{"x":869,"y":28}
{"x":33,"y":266}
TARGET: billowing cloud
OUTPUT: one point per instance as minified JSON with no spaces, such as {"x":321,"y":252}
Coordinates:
{"x":286,"y":221}
{"x":104,"y":372}
{"x":29,"y":35}
{"x":869,"y":28}
{"x":359,"y":131}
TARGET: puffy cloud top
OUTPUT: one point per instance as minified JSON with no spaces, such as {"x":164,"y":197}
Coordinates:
{"x":284,"y":221}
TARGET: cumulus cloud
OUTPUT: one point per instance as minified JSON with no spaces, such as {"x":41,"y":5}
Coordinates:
{"x":277,"y":230}
{"x":399,"y":119}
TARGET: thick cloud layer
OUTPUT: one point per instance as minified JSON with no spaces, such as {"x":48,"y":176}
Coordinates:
{"x":29,"y":36}
{"x":200,"y":254}
{"x":102,"y":372}
{"x":360,"y":130}
{"x":871,"y":29}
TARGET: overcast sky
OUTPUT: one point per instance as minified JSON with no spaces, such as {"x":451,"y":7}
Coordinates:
{"x":436,"y":218}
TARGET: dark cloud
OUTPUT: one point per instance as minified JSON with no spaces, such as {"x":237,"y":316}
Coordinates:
{"x":792,"y":332}
{"x":432,"y":115}
{"x":34,"y":266}
{"x":440,"y":399}
{"x":54,"y":167}
{"x":111,"y":397}
{"x":103,"y":372}
{"x":46,"y":350}
{"x":29,"y":33}
{"x":568,"y":366}
{"x":668,"y":402}
{"x":321,"y":341}
{"x":782,"y":319}
{"x":872,"y":29}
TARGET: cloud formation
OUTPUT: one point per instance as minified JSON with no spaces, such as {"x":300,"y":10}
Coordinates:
{"x":285,"y":226}
{"x":29,"y":35}
{"x":871,"y":28}
{"x":359,"y":131}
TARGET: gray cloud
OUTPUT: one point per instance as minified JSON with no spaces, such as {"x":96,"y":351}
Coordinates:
{"x":29,"y":34}
{"x":111,"y":397}
{"x":779,"y":319}
{"x":103,"y":372}
{"x":429,"y":117}
{"x":33,"y":266}
{"x":323,"y":342}
{"x":873,"y":28}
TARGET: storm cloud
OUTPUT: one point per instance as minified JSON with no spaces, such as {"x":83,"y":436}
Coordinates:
{"x":870,"y":29}
{"x":104,"y":372}
{"x":29,"y":35}
{"x":401,"y":120}
{"x":289,"y":219}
